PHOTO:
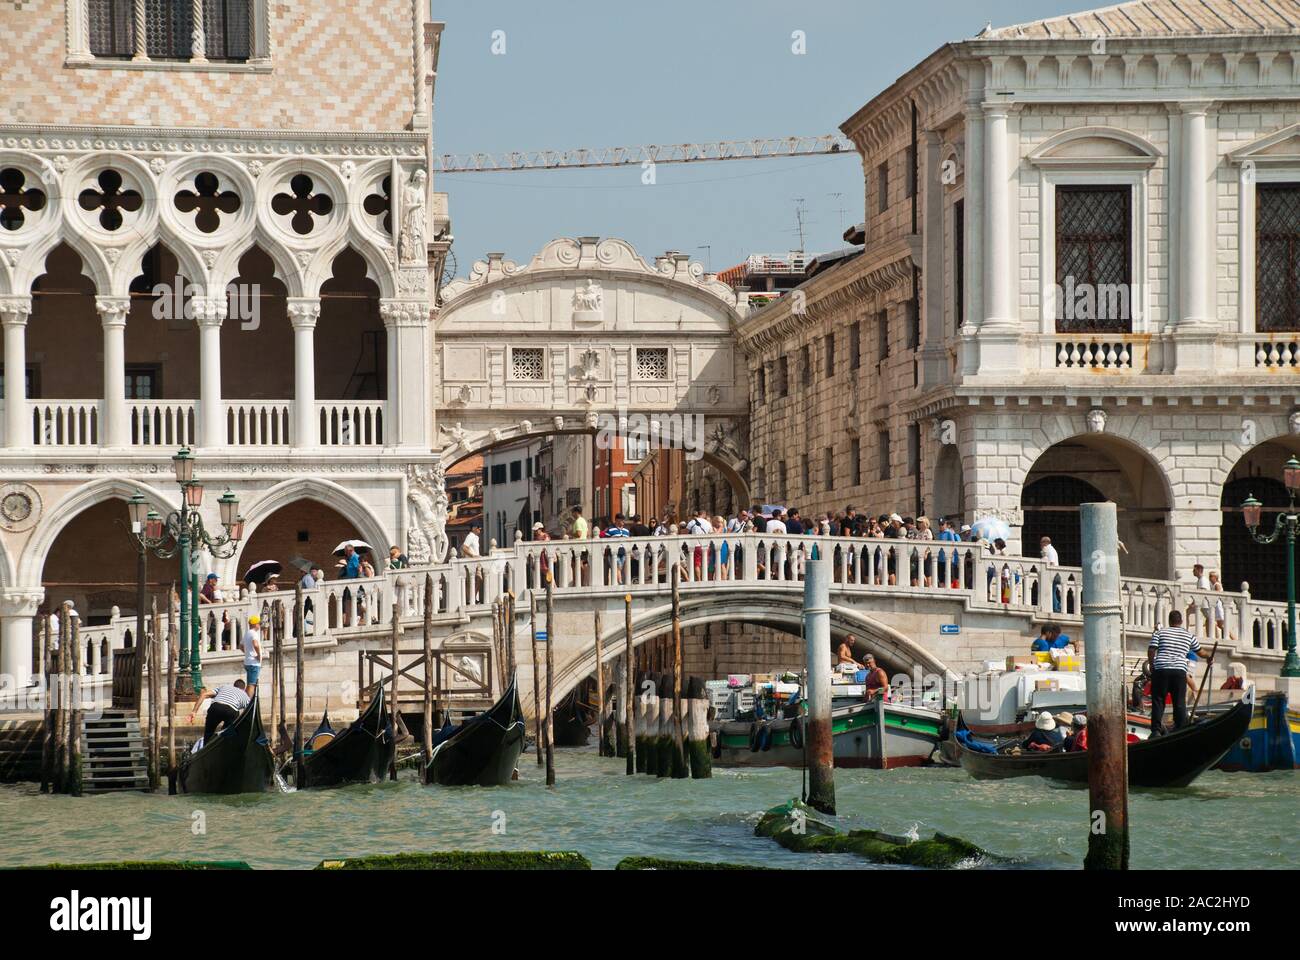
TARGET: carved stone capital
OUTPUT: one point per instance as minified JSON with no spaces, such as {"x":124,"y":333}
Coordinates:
{"x":404,"y":313}
{"x":209,"y":311}
{"x":303,"y":311}
{"x":21,"y":601}
{"x":113,"y":310}
{"x":15,"y":309}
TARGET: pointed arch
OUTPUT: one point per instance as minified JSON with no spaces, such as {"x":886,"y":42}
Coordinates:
{"x":226,"y":267}
{"x":378,"y":269}
{"x":93,"y":265}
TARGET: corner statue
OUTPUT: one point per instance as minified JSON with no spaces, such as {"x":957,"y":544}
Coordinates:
{"x":426,"y":536}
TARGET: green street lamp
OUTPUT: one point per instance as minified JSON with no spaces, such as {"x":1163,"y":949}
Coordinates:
{"x":1288,"y":523}
{"x":182,"y":534}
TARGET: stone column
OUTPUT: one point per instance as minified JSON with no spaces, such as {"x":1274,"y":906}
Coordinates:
{"x":17,"y":607}
{"x":113,"y":425}
{"x":972,"y":247}
{"x":999,"y":334}
{"x":1196,"y":332}
{"x":198,"y":38}
{"x":14,"y":312}
{"x":303,"y":314}
{"x":141,"y":40}
{"x":934,"y":357}
{"x":209,"y":312}
{"x":406,"y":417}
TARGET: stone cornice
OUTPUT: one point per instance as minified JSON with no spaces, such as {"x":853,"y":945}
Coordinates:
{"x":217,"y":140}
{"x":871,"y":273}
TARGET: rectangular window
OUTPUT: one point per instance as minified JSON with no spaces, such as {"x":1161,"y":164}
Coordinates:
{"x":760,"y":383}
{"x":828,"y":348}
{"x":111,"y":28}
{"x":913,"y":449}
{"x":783,"y":377}
{"x":855,"y":461}
{"x":805,"y":365}
{"x":168,"y":29}
{"x":855,"y":346}
{"x":226,"y":29}
{"x":498,"y":473}
{"x":882,"y":187}
{"x":635,"y":449}
{"x":828,"y":468}
{"x":759,"y":489}
{"x":652,"y":363}
{"x":1093,"y":268}
{"x":958,"y":264}
{"x":1277,"y":258}
{"x":911,"y":171}
{"x":913,"y":323}
{"x":143,"y":381}
{"x":883,"y":453}
{"x":780,"y":479}
{"x":805,"y":475}
{"x":33,"y":381}
{"x":882,"y":335}
{"x":528,"y":363}
{"x":516,"y":471}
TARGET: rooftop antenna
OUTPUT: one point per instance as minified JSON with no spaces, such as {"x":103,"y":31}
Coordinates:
{"x":838,"y":198}
{"x":708,"y":256}
{"x":798,"y":219}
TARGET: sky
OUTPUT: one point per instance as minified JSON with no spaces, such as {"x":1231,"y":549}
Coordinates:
{"x":558,"y":74}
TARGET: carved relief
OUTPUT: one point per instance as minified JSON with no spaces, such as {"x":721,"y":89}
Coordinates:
{"x":428,"y":509}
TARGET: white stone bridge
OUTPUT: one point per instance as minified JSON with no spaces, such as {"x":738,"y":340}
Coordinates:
{"x":995,"y":603}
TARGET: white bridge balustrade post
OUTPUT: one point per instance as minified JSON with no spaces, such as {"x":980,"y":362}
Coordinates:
{"x":303,"y":314}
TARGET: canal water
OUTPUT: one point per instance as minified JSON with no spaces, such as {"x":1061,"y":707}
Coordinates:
{"x":1223,"y":821}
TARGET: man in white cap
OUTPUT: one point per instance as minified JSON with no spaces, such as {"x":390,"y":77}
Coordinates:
{"x":251,"y":644}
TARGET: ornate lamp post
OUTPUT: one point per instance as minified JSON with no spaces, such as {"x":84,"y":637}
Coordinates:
{"x":182,"y":534}
{"x":1287,"y":522}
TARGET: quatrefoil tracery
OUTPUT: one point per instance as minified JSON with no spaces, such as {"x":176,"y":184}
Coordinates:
{"x":14,"y":199}
{"x":207,"y":202}
{"x":110,"y":200}
{"x":303,"y":203}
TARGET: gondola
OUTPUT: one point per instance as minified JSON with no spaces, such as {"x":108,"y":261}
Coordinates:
{"x":483,"y":750}
{"x":360,"y":754}
{"x":1172,"y":760}
{"x":573,"y":720}
{"x":236,"y":760}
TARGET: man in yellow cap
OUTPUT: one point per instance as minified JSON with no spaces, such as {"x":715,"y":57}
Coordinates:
{"x":252,"y":647}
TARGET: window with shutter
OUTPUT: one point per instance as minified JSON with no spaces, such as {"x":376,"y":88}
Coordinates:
{"x":226,"y":29}
{"x":1093,"y":259}
{"x":168,"y":26}
{"x":111,"y":28}
{"x":1277,"y":266}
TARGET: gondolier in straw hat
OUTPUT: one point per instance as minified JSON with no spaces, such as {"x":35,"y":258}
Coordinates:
{"x":228,"y":701}
{"x":1168,"y":653}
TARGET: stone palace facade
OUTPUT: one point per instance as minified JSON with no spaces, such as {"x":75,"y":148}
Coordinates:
{"x":1077,"y":280}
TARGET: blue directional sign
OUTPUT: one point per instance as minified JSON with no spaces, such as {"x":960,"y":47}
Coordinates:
{"x":949,"y":628}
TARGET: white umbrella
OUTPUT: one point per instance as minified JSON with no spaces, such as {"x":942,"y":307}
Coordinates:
{"x":261,"y":571}
{"x":991,"y":528}
{"x":360,"y":546}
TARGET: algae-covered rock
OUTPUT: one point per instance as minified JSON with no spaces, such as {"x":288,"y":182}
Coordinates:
{"x":797,"y":827}
{"x":147,"y":865}
{"x":658,"y":863}
{"x":465,"y":860}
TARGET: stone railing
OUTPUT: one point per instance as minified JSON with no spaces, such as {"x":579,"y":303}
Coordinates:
{"x":258,"y":423}
{"x":65,"y":423}
{"x":1278,"y":352}
{"x":929,"y":570}
{"x":1101,"y":352}
{"x":162,"y":423}
{"x":351,"y":423}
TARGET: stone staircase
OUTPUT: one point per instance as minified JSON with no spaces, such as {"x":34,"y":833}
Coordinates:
{"x":21,"y":742}
{"x":113,"y":753}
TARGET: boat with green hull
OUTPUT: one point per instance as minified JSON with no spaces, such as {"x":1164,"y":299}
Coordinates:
{"x":871,"y":733}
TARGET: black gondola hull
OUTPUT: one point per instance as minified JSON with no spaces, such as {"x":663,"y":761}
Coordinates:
{"x":237,"y":760}
{"x":572,"y":722}
{"x":1173,"y":760}
{"x":360,"y":754}
{"x":484,"y":750}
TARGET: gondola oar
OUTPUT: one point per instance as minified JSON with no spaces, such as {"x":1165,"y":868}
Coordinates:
{"x":1213,"y":650}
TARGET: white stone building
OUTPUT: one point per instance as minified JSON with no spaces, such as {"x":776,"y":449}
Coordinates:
{"x":1147,"y":152}
{"x":282,"y":177}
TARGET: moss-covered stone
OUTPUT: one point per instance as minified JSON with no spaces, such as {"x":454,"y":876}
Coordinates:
{"x":798,"y":827}
{"x":658,"y":863}
{"x":147,"y":865}
{"x":465,"y":860}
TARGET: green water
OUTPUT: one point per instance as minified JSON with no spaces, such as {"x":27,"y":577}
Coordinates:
{"x":1235,"y":821}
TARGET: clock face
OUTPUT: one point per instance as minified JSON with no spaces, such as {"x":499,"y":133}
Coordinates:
{"x":16,"y":507}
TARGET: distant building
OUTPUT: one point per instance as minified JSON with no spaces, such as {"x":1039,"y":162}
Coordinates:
{"x":465,"y":499}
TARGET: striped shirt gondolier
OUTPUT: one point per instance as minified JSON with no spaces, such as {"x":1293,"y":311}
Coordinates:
{"x":233,"y":697}
{"x":1172,"y":645}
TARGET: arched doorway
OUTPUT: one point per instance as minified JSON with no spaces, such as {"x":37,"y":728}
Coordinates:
{"x":1257,"y":474}
{"x":949,"y":484}
{"x":299,"y":534}
{"x":93,"y":563}
{"x":1099,"y":468}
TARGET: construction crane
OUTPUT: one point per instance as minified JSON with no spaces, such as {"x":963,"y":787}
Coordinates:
{"x":587,"y":157}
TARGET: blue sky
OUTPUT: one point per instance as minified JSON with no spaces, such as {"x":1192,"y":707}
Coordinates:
{"x":579,"y":73}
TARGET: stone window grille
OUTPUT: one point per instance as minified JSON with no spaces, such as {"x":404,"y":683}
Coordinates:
{"x":828,"y":468}
{"x":883,"y":442}
{"x":780,"y":479}
{"x":528,"y":363}
{"x":855,"y":455}
{"x":882,"y":188}
{"x":805,"y":474}
{"x":882,"y":334}
{"x":760,"y":383}
{"x":783,"y":376}
{"x":1093,"y":253}
{"x":1277,"y":263}
{"x":828,"y":345}
{"x":652,"y":363}
{"x":855,"y":346}
{"x":805,"y":365}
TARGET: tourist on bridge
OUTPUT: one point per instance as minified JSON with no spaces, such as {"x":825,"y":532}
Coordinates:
{"x":228,"y":702}
{"x":251,"y":644}
{"x":619,"y":529}
{"x":1168,"y":655}
{"x":209,"y":592}
{"x":350,"y":564}
{"x":470,"y":546}
{"x":396,"y":559}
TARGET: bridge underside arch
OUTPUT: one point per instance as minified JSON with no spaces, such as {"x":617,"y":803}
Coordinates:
{"x":896,"y":652}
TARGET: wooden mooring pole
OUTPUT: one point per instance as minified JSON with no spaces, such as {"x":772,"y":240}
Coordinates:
{"x":680,"y":766}
{"x":155,"y":649}
{"x":277,"y":693}
{"x":281,"y":726}
{"x":48,"y":686}
{"x":75,"y":679}
{"x":171,"y":692}
{"x":627,"y":694}
{"x":1103,"y":641}
{"x":817,"y":650}
{"x":61,"y":713}
{"x":299,"y":764}
{"x":537,"y":676}
{"x":550,"y":683}
{"x":603,"y":747}
{"x":697,"y":730}
{"x":427,"y":753}
{"x":392,"y":700}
